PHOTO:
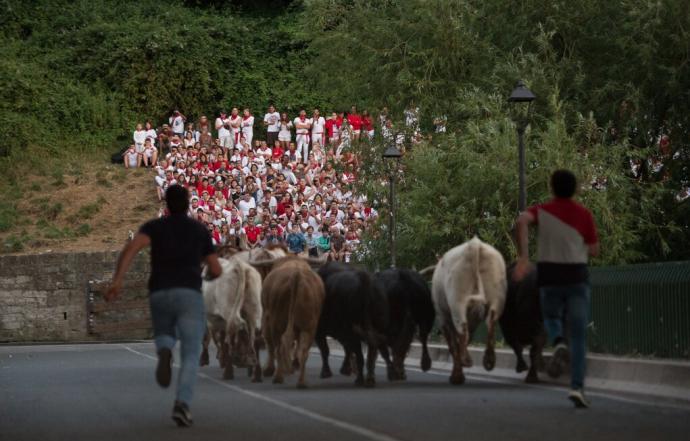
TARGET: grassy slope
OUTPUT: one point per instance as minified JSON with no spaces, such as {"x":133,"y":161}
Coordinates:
{"x":82,"y":209}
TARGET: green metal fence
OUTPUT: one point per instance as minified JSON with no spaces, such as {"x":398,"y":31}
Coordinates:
{"x":641,"y":310}
{"x":637,"y":310}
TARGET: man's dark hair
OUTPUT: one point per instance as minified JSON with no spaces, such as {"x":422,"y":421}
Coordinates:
{"x":563,"y":183}
{"x":177,"y":199}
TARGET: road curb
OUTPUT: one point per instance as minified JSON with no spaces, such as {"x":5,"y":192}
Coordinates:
{"x":665,"y":379}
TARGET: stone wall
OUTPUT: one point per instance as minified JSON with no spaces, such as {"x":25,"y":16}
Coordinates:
{"x":43,"y":297}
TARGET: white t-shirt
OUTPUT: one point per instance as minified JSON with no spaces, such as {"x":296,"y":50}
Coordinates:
{"x":178,"y":125}
{"x":222,"y":131}
{"x":273,"y":120}
{"x":139,"y":137}
{"x":244,"y":206}
{"x":318,"y":125}
{"x":297,"y":121}
{"x":235,"y":123}
{"x":151,"y":133}
{"x":248,"y":125}
{"x":265,"y":151}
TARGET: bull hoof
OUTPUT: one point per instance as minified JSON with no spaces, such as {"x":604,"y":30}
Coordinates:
{"x":346,"y":370}
{"x":402,"y":376}
{"x":301,"y":385}
{"x":277,"y":380}
{"x":489,"y":360}
{"x":457,"y":378}
{"x":426,"y":362}
{"x":467,"y":361}
{"x":532,"y":377}
{"x":204,"y":359}
{"x":521,"y":366}
{"x":228,"y":375}
{"x":326,"y":373}
{"x":269,"y":371}
{"x":295,"y":364}
{"x":370,"y":382}
{"x":256,"y":380}
{"x":359,"y":381}
{"x":250,"y":371}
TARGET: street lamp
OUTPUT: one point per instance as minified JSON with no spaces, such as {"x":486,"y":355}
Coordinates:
{"x":523,"y":98}
{"x":393,"y":154}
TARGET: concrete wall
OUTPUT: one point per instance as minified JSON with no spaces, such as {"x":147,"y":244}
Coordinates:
{"x":43,"y":297}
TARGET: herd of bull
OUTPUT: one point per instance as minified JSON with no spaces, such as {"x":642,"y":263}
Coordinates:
{"x":269,"y":298}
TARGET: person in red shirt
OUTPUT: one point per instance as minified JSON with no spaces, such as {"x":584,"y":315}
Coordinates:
{"x":566,"y":238}
{"x":277,"y":153}
{"x":331,"y":130}
{"x":252,"y":233}
{"x":355,"y":120}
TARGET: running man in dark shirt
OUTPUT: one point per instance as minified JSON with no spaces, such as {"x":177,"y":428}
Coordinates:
{"x":566,"y":237}
{"x":179,"y":245}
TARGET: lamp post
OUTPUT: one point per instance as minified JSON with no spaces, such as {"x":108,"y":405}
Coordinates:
{"x":523,"y":98}
{"x":393,"y":154}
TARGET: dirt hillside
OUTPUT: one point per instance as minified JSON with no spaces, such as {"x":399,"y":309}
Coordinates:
{"x":92,"y":210}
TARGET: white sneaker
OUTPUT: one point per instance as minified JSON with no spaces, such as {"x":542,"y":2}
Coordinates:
{"x":577,"y":396}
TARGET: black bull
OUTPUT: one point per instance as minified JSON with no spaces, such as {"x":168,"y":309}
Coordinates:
{"x":383,"y":311}
{"x":522,"y":323}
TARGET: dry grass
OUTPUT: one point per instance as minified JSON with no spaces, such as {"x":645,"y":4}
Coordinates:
{"x":83,"y":210}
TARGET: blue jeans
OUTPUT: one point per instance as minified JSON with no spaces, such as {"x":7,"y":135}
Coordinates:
{"x":178,"y":313}
{"x":574,"y":299}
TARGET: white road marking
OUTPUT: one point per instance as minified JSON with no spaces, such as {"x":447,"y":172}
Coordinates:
{"x":358,"y":430}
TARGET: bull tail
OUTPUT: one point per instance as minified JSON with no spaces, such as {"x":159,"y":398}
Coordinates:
{"x":473,"y":304}
{"x":288,"y":337}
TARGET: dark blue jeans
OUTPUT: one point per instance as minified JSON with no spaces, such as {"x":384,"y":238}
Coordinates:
{"x":574,"y":300}
{"x":178,"y":314}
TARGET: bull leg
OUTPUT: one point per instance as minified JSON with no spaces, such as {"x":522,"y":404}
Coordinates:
{"x":426,"y":359}
{"x":385,"y":354}
{"x":270,"y":368}
{"x":356,"y":348}
{"x":372,"y":355}
{"x":489,"y":352}
{"x":204,"y":361}
{"x":295,"y":357}
{"x":325,"y":352}
{"x":454,"y":347}
{"x":229,"y":370}
{"x":535,"y":358}
{"x":218,"y":339}
{"x":521,"y":366}
{"x":256,"y":369}
{"x":463,"y":342}
{"x":303,"y":344}
{"x":346,"y":368}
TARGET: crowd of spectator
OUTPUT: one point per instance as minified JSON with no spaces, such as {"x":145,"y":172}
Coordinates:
{"x":291,"y":184}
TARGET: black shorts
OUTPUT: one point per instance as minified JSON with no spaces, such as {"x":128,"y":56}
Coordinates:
{"x":271,"y":138}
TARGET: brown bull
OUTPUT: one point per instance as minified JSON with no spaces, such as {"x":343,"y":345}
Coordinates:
{"x":292,"y":296}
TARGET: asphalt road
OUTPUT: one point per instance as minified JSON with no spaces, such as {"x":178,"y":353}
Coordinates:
{"x":108,"y":392}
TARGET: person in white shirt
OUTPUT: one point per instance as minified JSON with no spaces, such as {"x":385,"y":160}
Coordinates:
{"x":246,"y":203}
{"x":132,"y":158}
{"x":139,"y":138}
{"x":176,"y":121}
{"x":284,"y":135}
{"x":223,"y":128}
{"x":235,"y":121}
{"x":247,"y":125}
{"x":302,"y":127}
{"x":151,"y":132}
{"x":318,"y":126}
{"x":150,"y":154}
{"x":265,"y":151}
{"x":271,"y":121}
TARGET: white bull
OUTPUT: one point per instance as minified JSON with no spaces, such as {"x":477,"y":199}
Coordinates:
{"x":469,"y":285}
{"x":234,"y":314}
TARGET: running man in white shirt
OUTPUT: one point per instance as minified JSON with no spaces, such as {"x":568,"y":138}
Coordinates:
{"x":318,"y":126}
{"x":302,"y":126}
{"x":272,"y":123}
{"x":223,"y":128}
{"x":247,"y":125}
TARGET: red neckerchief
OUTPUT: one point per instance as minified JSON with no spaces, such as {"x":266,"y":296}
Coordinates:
{"x":244,"y":118}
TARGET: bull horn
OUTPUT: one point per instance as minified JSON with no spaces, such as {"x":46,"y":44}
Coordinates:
{"x":262,"y":263}
{"x":428,"y":270}
{"x":316,"y":261}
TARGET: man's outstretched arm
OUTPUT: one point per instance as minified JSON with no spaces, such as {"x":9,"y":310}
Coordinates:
{"x":127,"y":254}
